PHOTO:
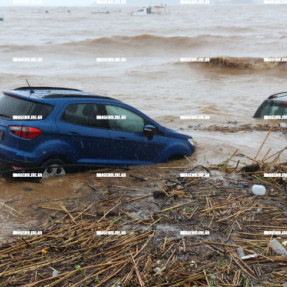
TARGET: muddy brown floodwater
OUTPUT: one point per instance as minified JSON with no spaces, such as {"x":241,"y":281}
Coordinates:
{"x":21,"y":201}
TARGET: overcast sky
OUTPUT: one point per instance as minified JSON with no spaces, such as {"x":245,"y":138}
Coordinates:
{"x":62,"y":2}
{"x":46,"y":2}
{"x":90,"y":2}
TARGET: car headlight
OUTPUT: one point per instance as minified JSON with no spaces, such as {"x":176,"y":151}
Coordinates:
{"x":191,"y":142}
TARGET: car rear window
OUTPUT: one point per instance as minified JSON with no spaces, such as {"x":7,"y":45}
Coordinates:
{"x":13,"y":108}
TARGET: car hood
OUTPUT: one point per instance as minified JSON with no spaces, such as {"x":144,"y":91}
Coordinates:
{"x":173,"y":133}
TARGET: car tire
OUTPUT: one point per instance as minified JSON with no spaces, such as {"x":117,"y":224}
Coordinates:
{"x":8,"y":176}
{"x":175,"y":157}
{"x":53,"y":167}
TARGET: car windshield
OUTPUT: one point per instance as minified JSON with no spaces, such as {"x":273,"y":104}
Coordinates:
{"x":273,"y":109}
{"x":14,"y":108}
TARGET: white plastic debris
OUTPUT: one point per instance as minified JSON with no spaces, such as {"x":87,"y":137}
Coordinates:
{"x":159,"y":271}
{"x":55,"y":273}
{"x":277,"y":247}
{"x":193,"y":264}
{"x":240,"y":252}
{"x":156,"y":269}
{"x":249,"y":256}
{"x":258,"y":189}
{"x":242,"y":255}
{"x":283,"y":125}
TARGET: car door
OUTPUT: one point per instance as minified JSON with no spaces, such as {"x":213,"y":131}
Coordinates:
{"x":88,"y":137}
{"x":129,"y":145}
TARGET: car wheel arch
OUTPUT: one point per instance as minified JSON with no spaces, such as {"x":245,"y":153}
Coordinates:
{"x":56,"y":157}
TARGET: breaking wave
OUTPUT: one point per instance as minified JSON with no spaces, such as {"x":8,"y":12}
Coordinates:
{"x":146,"y":40}
{"x":139,"y":45}
{"x":241,"y":63}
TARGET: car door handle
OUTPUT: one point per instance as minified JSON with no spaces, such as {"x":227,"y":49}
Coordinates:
{"x":121,"y":138}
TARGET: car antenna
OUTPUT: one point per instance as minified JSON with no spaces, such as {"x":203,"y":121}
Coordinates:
{"x":31,"y":90}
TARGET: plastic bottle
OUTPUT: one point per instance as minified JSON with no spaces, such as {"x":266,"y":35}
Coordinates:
{"x":277,"y":247}
{"x":258,"y":189}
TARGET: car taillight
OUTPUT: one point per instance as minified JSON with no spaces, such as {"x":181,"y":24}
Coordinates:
{"x":17,"y":167}
{"x":284,"y":103}
{"x":25,"y":132}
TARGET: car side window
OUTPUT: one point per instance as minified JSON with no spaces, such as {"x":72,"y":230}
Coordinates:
{"x":124,"y":119}
{"x":84,"y":115}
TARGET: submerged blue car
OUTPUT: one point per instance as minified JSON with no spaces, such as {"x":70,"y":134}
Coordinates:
{"x":51,"y":128}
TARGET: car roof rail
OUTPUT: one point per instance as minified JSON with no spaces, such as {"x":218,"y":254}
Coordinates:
{"x":77,"y":93}
{"x":54,"y":96}
{"x":283,"y":94}
{"x":46,"y":88}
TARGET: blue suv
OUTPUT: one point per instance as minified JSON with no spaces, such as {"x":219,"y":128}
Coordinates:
{"x":51,"y":128}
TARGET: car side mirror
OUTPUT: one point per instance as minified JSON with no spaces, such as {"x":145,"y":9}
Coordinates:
{"x":149,"y":131}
